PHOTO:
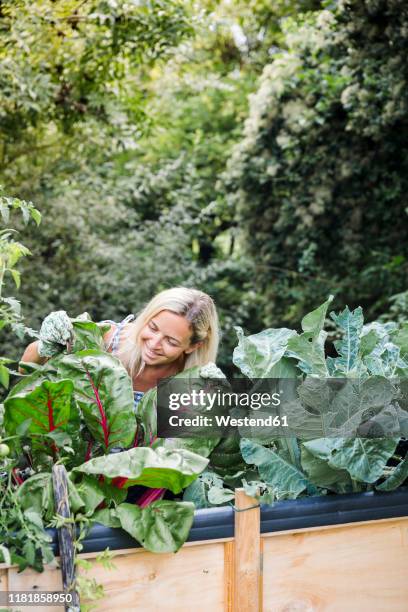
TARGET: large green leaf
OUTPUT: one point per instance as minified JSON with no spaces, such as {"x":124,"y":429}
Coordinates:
{"x":385,"y":360}
{"x":357,"y":401}
{"x":275,"y":470}
{"x":391,"y":421}
{"x":313,"y":322}
{"x":103,"y":390}
{"x":161,"y":468}
{"x":87,"y":334}
{"x":303,"y":423}
{"x":387,"y":357}
{"x":397,"y":478}
{"x":48,"y":406}
{"x":107,"y":517}
{"x":308,"y":347}
{"x":36,"y":493}
{"x":207,"y":491}
{"x":75,"y":499}
{"x":218,"y":496}
{"x":337,"y":407}
{"x":364,"y":459}
{"x":146,"y":415}
{"x":368,"y":342}
{"x":163,"y":526}
{"x":257,"y":355}
{"x":322,"y":475}
{"x":350,"y":324}
{"x":400,"y":338}
{"x":31,"y":381}
{"x":91,"y":493}
{"x":199,"y":446}
{"x":196,"y":493}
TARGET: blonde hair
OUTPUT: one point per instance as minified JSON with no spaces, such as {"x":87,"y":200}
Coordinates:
{"x":199,"y":310}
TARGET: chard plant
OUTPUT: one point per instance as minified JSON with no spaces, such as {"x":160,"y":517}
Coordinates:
{"x":78,"y":409}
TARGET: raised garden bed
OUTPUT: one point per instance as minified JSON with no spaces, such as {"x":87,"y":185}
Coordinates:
{"x":344,"y":552}
{"x":323,"y":549}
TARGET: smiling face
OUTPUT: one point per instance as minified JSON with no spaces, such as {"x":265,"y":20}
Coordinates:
{"x":165,"y":338}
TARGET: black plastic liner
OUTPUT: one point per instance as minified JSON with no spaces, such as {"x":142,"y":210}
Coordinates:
{"x":214,"y":523}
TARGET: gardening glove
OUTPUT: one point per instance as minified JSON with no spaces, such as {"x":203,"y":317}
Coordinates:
{"x":56,"y":333}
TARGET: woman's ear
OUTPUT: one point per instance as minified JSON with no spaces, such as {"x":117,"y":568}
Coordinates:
{"x":193,"y":347}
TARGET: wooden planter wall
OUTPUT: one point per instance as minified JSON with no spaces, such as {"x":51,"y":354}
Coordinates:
{"x":354,"y":567}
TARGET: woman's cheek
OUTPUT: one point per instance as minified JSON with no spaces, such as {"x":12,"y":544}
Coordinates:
{"x":144,"y":336}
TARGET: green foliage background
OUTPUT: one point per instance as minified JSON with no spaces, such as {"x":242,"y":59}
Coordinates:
{"x":319,"y":179}
{"x":253,"y":149}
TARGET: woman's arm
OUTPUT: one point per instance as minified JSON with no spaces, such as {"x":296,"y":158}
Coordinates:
{"x":31,"y":355}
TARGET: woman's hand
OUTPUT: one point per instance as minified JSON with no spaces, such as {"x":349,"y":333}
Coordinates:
{"x":56,"y":333}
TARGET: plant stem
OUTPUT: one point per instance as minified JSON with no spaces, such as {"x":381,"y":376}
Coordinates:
{"x":2,"y":271}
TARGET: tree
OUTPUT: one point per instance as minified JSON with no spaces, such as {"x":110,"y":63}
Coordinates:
{"x":72,"y":97}
{"x":125,"y":165}
{"x":320,"y":177}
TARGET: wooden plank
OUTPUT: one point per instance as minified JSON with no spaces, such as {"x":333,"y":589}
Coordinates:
{"x":273,"y":534}
{"x":229,"y":576}
{"x":4,"y":578}
{"x":355,"y":567}
{"x":141,"y":551}
{"x":247,"y":578}
{"x":65,"y":534}
{"x":261,"y":561}
{"x":30,"y":580}
{"x":191,"y":579}
{"x":138,"y":550}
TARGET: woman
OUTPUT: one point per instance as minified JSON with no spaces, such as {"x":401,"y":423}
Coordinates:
{"x":176,"y":330}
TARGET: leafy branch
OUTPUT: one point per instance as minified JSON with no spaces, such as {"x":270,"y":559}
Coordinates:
{"x":11,"y":251}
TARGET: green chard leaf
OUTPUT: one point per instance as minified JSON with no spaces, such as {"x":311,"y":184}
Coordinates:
{"x":107,"y":517}
{"x":104,"y":393}
{"x":36,"y":493}
{"x":87,"y":334}
{"x":48,"y":406}
{"x":161,"y":468}
{"x":161,"y":527}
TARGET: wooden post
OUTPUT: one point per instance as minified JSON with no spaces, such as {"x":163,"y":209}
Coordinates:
{"x":248,"y":558}
{"x":65,"y":535}
{"x":229,"y":576}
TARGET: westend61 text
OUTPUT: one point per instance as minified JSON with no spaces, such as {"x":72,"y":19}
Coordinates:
{"x":220,"y":398}
{"x":228,"y":421}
